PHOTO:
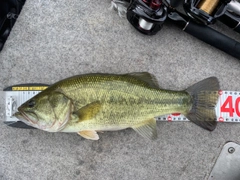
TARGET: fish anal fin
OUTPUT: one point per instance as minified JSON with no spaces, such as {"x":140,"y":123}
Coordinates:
{"x":146,"y":77}
{"x":147,"y":129}
{"x":89,"y":134}
{"x":89,"y":111}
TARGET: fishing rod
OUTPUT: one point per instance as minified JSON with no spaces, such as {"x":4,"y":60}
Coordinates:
{"x":207,"y":34}
{"x":148,"y":17}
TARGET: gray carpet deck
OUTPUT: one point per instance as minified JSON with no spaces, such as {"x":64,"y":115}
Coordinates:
{"x":52,"y":40}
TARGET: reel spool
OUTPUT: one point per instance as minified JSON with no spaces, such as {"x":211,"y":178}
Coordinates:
{"x":205,"y":11}
{"x":208,"y":6}
{"x":147,"y":16}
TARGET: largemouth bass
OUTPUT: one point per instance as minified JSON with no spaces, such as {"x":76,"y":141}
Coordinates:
{"x":90,"y":103}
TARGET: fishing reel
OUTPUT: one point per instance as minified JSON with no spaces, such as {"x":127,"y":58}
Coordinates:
{"x":205,"y":11}
{"x":208,"y":11}
{"x":147,"y":16}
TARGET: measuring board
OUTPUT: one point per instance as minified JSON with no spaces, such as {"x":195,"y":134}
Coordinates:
{"x":227,"y":108}
{"x":12,"y":97}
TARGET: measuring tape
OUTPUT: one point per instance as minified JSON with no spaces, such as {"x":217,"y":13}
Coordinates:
{"x":227,"y":108}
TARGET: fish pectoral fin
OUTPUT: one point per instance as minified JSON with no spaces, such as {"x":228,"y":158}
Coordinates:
{"x":89,"y":111}
{"x":146,"y":77}
{"x":147,"y":129}
{"x":89,"y":134}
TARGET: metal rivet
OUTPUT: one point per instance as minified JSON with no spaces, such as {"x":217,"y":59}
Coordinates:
{"x":231,"y":150}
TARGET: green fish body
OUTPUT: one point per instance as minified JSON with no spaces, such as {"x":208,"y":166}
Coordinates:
{"x":90,"y":103}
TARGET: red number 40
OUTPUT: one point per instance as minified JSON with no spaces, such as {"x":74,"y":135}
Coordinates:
{"x":227,"y":106}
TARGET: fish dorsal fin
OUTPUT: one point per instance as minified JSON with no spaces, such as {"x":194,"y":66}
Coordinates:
{"x":146,"y":77}
{"x":89,"y":111}
{"x":89,"y":134}
{"x":147,"y":129}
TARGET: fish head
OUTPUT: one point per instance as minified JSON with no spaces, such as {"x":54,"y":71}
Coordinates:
{"x":48,"y":112}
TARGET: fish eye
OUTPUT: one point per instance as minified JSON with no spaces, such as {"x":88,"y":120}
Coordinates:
{"x":31,"y":103}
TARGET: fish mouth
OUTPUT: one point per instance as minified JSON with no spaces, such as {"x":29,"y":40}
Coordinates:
{"x":25,"y":116}
{"x":22,"y":116}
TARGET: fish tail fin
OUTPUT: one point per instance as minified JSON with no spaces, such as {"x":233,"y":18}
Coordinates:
{"x":204,"y":99}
